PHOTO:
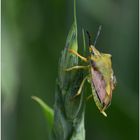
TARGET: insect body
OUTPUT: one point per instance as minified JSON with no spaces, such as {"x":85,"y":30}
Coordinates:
{"x":100,"y":77}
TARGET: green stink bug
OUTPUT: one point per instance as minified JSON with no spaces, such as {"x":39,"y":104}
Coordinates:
{"x":100,"y":76}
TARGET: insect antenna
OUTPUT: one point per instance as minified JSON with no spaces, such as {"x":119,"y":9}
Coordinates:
{"x":90,"y":43}
{"x":98,"y":33}
{"x":89,"y":38}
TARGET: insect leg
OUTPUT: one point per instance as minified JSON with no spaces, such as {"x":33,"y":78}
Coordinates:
{"x":77,"y":54}
{"x":90,"y":96}
{"x":77,"y":67}
{"x":81,"y":86}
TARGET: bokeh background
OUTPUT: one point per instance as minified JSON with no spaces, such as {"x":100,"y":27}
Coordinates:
{"x":34,"y":33}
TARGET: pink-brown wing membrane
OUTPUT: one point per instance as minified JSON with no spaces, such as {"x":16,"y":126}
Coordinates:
{"x":99,"y":84}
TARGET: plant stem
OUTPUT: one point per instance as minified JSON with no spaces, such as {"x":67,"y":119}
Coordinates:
{"x":68,"y":112}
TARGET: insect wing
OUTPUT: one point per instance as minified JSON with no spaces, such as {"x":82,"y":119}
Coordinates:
{"x":98,"y":90}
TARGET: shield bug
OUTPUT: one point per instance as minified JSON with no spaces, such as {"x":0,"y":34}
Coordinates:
{"x":100,"y":75}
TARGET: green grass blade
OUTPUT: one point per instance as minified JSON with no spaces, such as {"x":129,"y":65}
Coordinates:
{"x":48,"y":111}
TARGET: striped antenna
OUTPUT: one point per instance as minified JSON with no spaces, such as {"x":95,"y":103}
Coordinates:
{"x":98,"y":33}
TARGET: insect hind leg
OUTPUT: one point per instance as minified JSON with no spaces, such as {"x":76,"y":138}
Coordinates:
{"x":80,"y":88}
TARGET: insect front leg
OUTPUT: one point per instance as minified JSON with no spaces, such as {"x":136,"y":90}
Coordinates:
{"x":77,"y":54}
{"x":77,"y":67}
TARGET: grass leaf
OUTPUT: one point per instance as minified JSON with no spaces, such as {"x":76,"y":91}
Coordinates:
{"x":48,"y":111}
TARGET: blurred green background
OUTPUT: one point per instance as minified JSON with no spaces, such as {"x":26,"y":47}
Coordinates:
{"x":34,"y":33}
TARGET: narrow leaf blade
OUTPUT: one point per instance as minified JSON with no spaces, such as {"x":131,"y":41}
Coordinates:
{"x":48,"y":111}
